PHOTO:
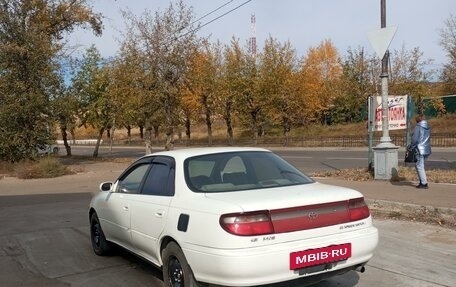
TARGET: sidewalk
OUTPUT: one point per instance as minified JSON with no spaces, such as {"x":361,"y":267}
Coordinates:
{"x":438,"y":195}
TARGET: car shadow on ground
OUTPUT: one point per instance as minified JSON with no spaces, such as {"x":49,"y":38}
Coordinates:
{"x":348,"y":279}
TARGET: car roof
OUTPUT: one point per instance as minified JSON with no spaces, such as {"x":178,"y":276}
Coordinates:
{"x":185,"y":153}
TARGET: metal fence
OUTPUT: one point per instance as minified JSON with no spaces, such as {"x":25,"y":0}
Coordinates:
{"x":437,"y":140}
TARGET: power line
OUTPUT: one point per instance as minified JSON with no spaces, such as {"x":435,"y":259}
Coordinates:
{"x":215,"y":19}
{"x":211,"y":12}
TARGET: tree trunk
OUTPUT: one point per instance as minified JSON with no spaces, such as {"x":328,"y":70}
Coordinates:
{"x":286,"y":130}
{"x":229,"y":131}
{"x":255,"y":127}
{"x":148,"y":136}
{"x":97,"y":146}
{"x":111,"y":138}
{"x":128,"y":134}
{"x":156,"y":134}
{"x":187,"y":130}
{"x":229,"y":124}
{"x":63,"y":130}
{"x":209,"y":128}
{"x":141,"y":131}
{"x":169,"y":145}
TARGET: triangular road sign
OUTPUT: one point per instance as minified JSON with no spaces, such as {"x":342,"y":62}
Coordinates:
{"x":380,"y":39}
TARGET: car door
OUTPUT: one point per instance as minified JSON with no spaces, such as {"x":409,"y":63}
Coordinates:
{"x":149,"y":209}
{"x":117,"y":211}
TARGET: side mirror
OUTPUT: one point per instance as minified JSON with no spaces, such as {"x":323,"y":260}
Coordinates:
{"x":106,"y":186}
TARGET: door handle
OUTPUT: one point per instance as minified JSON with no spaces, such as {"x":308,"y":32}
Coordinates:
{"x":159,"y":214}
{"x":125,"y":208}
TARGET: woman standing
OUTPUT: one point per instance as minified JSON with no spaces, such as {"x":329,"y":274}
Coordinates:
{"x":421,"y":138}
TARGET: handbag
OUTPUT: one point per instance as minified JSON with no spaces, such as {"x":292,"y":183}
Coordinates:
{"x":411,"y":154}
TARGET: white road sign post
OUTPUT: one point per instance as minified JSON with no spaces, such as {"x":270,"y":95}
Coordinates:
{"x":385,"y":154}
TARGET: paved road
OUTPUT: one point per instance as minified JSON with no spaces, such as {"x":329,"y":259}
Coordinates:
{"x":44,"y":241}
{"x":307,"y":159}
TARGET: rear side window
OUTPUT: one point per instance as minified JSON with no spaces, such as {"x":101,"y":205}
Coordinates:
{"x":158,"y":181}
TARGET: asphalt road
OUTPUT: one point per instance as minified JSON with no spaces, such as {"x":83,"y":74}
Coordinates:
{"x":44,"y":241}
{"x":306,"y":159}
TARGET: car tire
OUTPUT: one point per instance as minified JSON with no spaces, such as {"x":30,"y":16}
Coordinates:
{"x":100,"y":246}
{"x":176,"y":271}
{"x":55,"y":150}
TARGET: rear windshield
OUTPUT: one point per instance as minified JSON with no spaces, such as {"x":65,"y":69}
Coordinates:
{"x":235,"y":171}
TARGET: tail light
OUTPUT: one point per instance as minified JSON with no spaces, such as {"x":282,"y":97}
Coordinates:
{"x":295,"y":218}
{"x":357,"y":209}
{"x":247,"y":224}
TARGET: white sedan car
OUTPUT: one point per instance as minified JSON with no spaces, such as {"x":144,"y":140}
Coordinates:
{"x":232,"y":217}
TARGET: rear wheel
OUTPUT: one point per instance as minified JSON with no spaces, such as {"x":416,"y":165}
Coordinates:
{"x":99,"y":244}
{"x":176,"y":271}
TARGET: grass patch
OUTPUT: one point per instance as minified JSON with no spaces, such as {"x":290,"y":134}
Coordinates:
{"x":45,"y":167}
{"x":6,"y":168}
{"x":395,"y":214}
{"x":400,"y":211}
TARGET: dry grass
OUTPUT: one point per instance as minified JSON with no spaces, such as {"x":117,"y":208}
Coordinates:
{"x":445,"y":217}
{"x":46,"y":167}
{"x":404,"y":174}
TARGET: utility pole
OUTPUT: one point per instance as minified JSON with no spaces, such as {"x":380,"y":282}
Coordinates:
{"x":384,"y":80}
{"x":385,"y":154}
{"x":252,"y":40}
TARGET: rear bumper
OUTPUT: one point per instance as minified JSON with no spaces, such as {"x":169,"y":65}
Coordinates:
{"x":270,"y":264}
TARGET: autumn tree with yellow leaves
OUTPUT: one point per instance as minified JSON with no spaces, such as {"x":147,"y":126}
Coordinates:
{"x":276,"y":75}
{"x":203,"y":84}
{"x":318,"y":80}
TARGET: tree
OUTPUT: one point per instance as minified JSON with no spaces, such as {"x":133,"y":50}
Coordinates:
{"x":231,"y":87}
{"x":126,"y":88}
{"x":277,"y":66}
{"x":64,"y":110}
{"x":318,"y":78}
{"x":448,"y":43}
{"x":203,"y":83}
{"x":357,"y":83}
{"x":31,"y":37}
{"x":249,"y":101}
{"x":90,"y":85}
{"x":166,"y":41}
{"x":409,"y":75}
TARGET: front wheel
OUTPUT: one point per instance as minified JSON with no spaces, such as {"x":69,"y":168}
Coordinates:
{"x":176,"y":271}
{"x":99,"y":244}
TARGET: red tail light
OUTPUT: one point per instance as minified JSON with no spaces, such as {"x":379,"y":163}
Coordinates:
{"x":357,"y":209}
{"x":247,"y":224}
{"x":295,"y":218}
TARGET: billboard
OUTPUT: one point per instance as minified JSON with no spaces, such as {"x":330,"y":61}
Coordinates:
{"x":397,"y":113}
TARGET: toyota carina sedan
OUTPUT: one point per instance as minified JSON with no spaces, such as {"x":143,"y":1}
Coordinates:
{"x":231,"y":217}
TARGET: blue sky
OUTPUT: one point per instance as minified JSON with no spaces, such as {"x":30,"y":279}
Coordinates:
{"x":305,"y":23}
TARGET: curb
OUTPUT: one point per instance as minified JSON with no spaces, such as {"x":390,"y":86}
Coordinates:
{"x":442,"y":216}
